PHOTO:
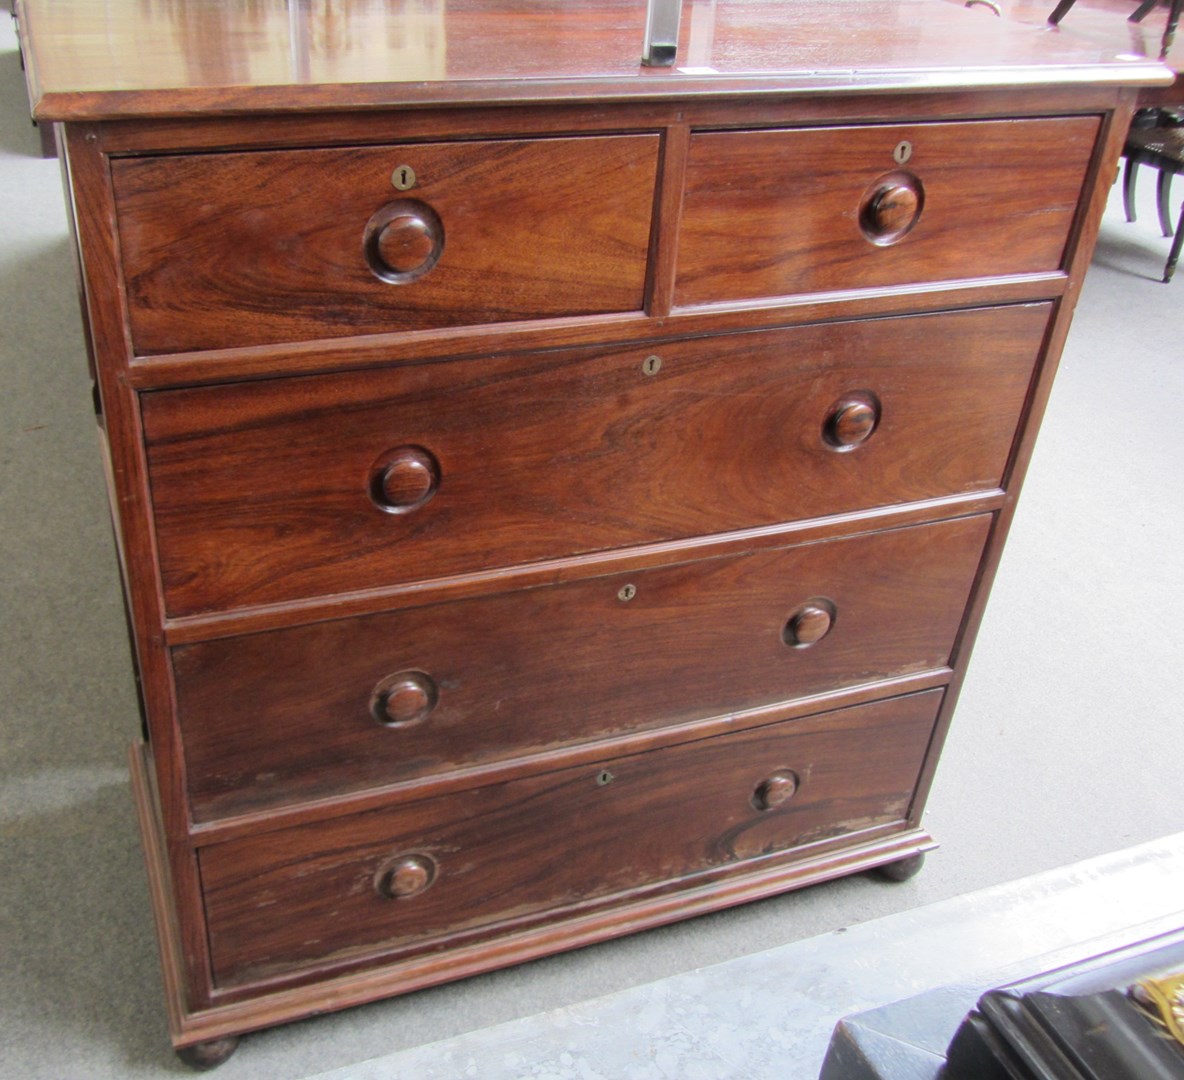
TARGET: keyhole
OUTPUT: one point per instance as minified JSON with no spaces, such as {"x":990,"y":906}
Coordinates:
{"x":903,"y":151}
{"x":627,"y":592}
{"x":604,"y":777}
{"x":652,"y":365}
{"x":403,"y":177}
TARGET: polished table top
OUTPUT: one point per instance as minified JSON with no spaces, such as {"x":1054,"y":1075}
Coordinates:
{"x":102,"y":59}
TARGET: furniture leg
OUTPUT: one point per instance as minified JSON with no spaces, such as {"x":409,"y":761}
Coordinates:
{"x":1128,"y":187}
{"x":1163,"y":189}
{"x":902,"y":869}
{"x":1061,"y":10}
{"x":1174,"y":254}
{"x":1142,"y":11}
{"x":208,"y":1055}
{"x":1169,"y":31}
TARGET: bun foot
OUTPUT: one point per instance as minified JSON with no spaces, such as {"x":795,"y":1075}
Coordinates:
{"x":203,"y":1056}
{"x":902,"y":869}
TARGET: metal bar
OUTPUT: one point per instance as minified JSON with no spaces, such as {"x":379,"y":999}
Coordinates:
{"x":662,"y":18}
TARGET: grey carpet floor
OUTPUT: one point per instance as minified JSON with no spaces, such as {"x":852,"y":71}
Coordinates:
{"x":1066,"y":744}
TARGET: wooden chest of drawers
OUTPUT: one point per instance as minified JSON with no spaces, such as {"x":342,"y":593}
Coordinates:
{"x":542,"y":456}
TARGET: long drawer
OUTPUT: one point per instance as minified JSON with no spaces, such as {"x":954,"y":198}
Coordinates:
{"x":277,"y":718}
{"x":254,"y":248}
{"x":453,"y":869}
{"x":770,"y":213}
{"x":293,"y":488}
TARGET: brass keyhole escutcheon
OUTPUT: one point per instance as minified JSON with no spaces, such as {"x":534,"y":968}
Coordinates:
{"x":651,"y":365}
{"x":626,"y":592}
{"x":403,"y":178}
{"x":604,"y":777}
{"x":902,"y":152}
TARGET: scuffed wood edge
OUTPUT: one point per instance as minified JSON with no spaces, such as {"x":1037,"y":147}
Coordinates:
{"x":168,"y":936}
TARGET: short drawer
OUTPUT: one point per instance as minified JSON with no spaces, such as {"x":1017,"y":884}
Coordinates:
{"x":458,"y":868}
{"x":293,"y":488}
{"x":332,"y":708}
{"x":784,"y":212}
{"x":254,"y":248}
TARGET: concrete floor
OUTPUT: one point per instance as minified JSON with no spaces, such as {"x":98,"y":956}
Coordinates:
{"x":1066,"y":744}
{"x":770,"y":1015}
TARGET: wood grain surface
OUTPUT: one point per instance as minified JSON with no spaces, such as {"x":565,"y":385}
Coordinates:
{"x":646,"y":822}
{"x":249,"y":248}
{"x":100,"y":59}
{"x":263,"y":490}
{"x":772,"y":213}
{"x":531,"y":662}
{"x":273,"y":719}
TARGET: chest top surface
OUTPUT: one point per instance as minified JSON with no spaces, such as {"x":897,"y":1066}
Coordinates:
{"x":114,"y":59}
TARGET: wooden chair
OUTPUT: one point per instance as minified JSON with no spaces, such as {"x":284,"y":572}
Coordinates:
{"x":1137,"y":16}
{"x":1162,"y":147}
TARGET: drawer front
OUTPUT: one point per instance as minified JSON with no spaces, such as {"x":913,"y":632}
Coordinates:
{"x":276,"y":718}
{"x":253,"y":248}
{"x":460,"y":867}
{"x":273,"y":491}
{"x":772,"y":213}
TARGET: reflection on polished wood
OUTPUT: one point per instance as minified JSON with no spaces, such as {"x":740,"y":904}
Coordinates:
{"x":107,"y":58}
{"x":1105,"y":22}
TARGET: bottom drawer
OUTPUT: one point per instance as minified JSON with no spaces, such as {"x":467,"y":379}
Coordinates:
{"x":469,"y":865}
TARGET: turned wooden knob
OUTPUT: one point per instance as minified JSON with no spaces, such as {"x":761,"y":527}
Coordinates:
{"x":891,"y":208}
{"x":777,"y":790}
{"x":851,"y":421}
{"x":403,"y":241}
{"x":406,"y":876}
{"x":809,"y":624}
{"x":404,"y":699}
{"x":406,"y":480}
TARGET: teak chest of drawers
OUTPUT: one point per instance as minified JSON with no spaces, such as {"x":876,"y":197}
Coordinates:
{"x":536,"y":456}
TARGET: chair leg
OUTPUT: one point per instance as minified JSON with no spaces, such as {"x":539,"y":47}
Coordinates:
{"x":1169,"y":31}
{"x":1062,"y":9}
{"x":1177,"y":245}
{"x":1142,"y":11}
{"x":1163,"y":190}
{"x":1128,"y":187}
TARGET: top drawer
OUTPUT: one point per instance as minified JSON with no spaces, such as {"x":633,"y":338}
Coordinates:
{"x":776,"y":213}
{"x":234,"y":249}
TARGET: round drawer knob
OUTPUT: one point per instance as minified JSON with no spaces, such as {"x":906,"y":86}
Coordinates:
{"x":891,"y":208}
{"x":777,"y":790}
{"x":406,"y":876}
{"x":403,"y":241}
{"x":404,"y":699}
{"x":851,"y":421}
{"x":809,"y":624}
{"x":405,"y":480}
